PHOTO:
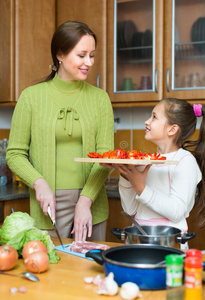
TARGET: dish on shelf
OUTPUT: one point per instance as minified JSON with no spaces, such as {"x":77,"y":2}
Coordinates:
{"x":137,"y":42}
{"x":198,"y":34}
{"x":129,"y":29}
{"x":125,"y":32}
{"x":147,"y":41}
{"x":176,"y":36}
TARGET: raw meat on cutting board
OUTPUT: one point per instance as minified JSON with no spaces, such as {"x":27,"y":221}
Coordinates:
{"x":84,"y":247}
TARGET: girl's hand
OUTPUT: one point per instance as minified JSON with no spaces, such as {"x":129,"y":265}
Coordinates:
{"x":82,"y":219}
{"x":45,"y":196}
{"x":135,"y":177}
{"x":109,"y":166}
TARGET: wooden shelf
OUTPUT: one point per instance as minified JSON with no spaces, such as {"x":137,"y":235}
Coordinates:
{"x":8,"y":104}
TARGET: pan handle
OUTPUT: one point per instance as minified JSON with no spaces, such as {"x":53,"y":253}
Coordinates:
{"x":185,"y":237}
{"x":96,"y":254}
{"x":119,"y":233}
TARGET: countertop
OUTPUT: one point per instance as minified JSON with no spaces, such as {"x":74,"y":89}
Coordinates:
{"x":64,"y":280}
{"x":11,"y":191}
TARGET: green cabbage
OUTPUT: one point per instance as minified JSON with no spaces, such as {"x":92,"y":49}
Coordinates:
{"x":19,"y":228}
{"x":13,"y":224}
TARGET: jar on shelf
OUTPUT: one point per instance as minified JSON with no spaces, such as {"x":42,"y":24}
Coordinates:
{"x":194,"y":80}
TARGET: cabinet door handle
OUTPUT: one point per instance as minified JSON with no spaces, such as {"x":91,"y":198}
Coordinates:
{"x":156,"y":82}
{"x":98,"y":80}
{"x":168,"y":71}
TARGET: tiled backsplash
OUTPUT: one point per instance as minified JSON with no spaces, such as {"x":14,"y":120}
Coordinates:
{"x":132,"y":139}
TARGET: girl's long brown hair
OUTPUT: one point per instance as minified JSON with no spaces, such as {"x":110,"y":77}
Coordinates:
{"x":181,"y":112}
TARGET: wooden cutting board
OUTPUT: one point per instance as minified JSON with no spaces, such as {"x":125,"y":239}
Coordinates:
{"x":127,"y":161}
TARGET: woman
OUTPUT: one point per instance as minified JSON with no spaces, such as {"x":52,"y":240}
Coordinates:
{"x":55,"y":121}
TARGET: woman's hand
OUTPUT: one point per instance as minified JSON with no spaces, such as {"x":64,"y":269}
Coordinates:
{"x":45,"y":196}
{"x":82,"y":219}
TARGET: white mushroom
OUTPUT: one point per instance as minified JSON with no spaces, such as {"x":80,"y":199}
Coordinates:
{"x":129,"y":291}
{"x":108,"y":286}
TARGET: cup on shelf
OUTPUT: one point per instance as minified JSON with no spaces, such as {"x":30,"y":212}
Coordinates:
{"x":186,"y":81}
{"x":127,"y":84}
{"x":146,"y":83}
{"x":194,"y":80}
{"x":176,"y":81}
{"x":203,"y":81}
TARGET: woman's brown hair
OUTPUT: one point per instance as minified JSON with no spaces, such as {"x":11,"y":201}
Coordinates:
{"x":65,"y":38}
{"x":181,"y":112}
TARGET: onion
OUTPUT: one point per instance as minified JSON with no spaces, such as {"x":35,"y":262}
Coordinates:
{"x":8,"y":257}
{"x":33,"y":246}
{"x":37,"y":262}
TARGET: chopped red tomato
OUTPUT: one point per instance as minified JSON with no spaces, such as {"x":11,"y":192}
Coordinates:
{"x":155,"y":156}
{"x":113,"y":154}
{"x":134,"y":154}
{"x":122,"y":154}
{"x":94,"y":155}
{"x":162,"y":158}
{"x":107,"y":154}
{"x":147,"y":155}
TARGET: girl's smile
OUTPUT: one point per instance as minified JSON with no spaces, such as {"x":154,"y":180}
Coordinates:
{"x":159,"y":132}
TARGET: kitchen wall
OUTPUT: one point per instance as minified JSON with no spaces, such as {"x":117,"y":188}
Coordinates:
{"x":5,"y":117}
{"x":127,"y":118}
{"x":129,"y":127}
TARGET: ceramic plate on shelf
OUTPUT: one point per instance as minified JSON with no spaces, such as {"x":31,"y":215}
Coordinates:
{"x":129,"y":29}
{"x":197,"y":33}
{"x":147,"y":41}
{"x":137,"y":42}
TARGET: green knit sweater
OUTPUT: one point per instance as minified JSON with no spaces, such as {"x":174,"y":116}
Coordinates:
{"x":32,"y":145}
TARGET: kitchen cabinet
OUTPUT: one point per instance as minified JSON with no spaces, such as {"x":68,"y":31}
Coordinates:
{"x":153,"y":47}
{"x":135,"y":50}
{"x":93,"y":13}
{"x":117,"y":220}
{"x":15,"y":204}
{"x":13,"y":197}
{"x":198,"y":242}
{"x":26,"y":29}
{"x":184,"y":49}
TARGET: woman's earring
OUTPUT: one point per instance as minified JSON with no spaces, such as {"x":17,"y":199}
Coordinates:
{"x":59,"y":62}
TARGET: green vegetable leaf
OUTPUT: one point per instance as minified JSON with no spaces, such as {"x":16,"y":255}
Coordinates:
{"x":14,"y":223}
{"x":18,"y":229}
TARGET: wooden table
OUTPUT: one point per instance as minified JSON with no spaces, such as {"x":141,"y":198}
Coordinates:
{"x":64,"y":280}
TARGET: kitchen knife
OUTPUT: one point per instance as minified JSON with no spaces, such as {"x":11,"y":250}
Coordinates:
{"x":55,"y":228}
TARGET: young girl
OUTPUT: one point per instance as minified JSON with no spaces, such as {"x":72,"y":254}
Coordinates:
{"x":165,"y":194}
